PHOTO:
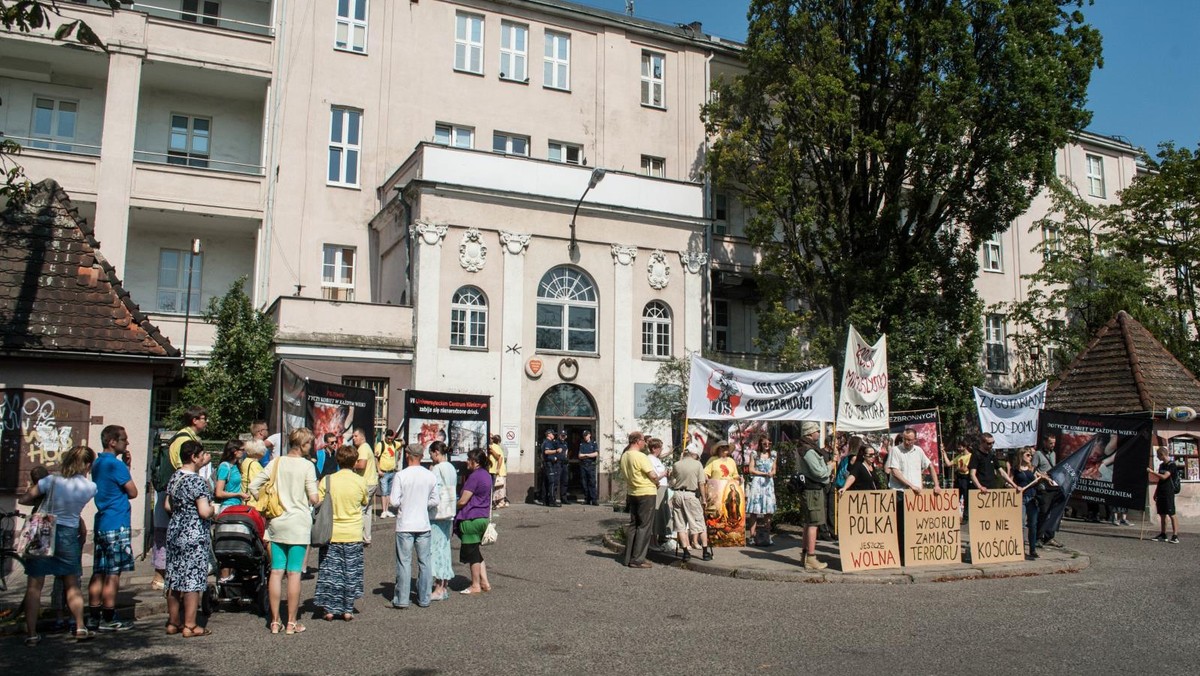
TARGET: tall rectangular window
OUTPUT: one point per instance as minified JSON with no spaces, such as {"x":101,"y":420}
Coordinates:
{"x":654,"y":166}
{"x":337,"y":272}
{"x":720,"y":213}
{"x":995,"y":344}
{"x":1095,"y":176}
{"x":1057,"y":330}
{"x":350,"y":30}
{"x":468,"y":43}
{"x":720,"y":325}
{"x":189,"y":140}
{"x":567,"y":153}
{"x":556,"y":68}
{"x":652,"y":79}
{"x":380,"y":387}
{"x":173,"y":267}
{"x":510,"y":144}
{"x":206,"y":12}
{"x":514,"y":51}
{"x":53,"y":120}
{"x":993,"y":254}
{"x":1051,"y":241}
{"x":345,"y":133}
{"x":454,"y":135}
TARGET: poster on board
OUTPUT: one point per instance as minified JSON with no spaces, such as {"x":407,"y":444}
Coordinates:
{"x":932,"y":528}
{"x":1115,"y":469}
{"x":460,"y":420}
{"x":330,"y":407}
{"x":867,"y":533}
{"x":994,"y":526}
{"x":725,"y":513}
{"x":925,"y":424}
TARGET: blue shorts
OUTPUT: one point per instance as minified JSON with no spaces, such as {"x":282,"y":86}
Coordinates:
{"x":113,"y":551}
{"x":67,"y":559}
{"x":385,"y":483}
{"x":288,"y":557}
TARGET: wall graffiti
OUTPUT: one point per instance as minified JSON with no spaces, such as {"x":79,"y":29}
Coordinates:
{"x":36,"y":428}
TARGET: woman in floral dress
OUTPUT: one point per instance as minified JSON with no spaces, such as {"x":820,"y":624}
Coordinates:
{"x":760,"y":500}
{"x":190,"y":505}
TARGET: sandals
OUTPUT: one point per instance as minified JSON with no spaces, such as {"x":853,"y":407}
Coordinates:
{"x":294,"y":628}
{"x":195,"y":631}
{"x":346,"y":617}
{"x":84,"y":634}
{"x":32,"y":641}
{"x":275,"y":627}
{"x":173,"y":629}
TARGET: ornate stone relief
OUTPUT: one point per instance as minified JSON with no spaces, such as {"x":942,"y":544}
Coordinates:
{"x":658,"y":272}
{"x":693,"y":261}
{"x":515,"y":243}
{"x":430,"y":233}
{"x":472,"y":253}
{"x":623,"y":255}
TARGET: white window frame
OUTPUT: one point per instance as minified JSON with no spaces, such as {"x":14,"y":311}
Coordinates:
{"x":179,"y":286}
{"x":514,"y":59}
{"x":381,"y":387}
{"x":332,"y":288}
{"x":554,"y":65}
{"x":654,"y":80}
{"x":564,"y":152}
{"x":189,"y":156}
{"x":656,"y":330}
{"x":468,"y":50}
{"x":1095,"y":175}
{"x":456,"y":135}
{"x":995,"y":343}
{"x":993,"y":254}
{"x":654,"y":166}
{"x":53,"y":140}
{"x":511,"y":142}
{"x":469,"y":319}
{"x":348,"y":26}
{"x":199,"y":13}
{"x":1051,"y":241}
{"x":567,"y":291}
{"x":347,"y":146}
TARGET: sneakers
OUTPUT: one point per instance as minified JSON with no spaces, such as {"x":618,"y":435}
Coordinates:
{"x":1174,"y":540}
{"x":1162,"y":537}
{"x":115,"y":625}
{"x":1126,"y":522}
{"x":1053,"y":543}
{"x":387,"y":514}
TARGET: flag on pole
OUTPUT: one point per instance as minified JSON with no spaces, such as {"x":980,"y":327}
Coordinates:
{"x":863,"y":400}
{"x":1065,"y":474}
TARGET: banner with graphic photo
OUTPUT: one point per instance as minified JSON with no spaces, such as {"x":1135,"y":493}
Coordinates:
{"x":719,"y":392}
{"x":460,"y":420}
{"x":1117,"y":448}
{"x":925,"y":424}
{"x":863,"y":399}
{"x":330,"y":407}
{"x":1011,"y":418}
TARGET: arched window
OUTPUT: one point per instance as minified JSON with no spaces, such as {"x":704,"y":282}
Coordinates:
{"x":468,"y":318}
{"x":656,"y":330}
{"x":566,"y":311}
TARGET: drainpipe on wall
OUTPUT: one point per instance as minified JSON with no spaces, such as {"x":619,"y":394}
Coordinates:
{"x":271,"y":165}
{"x":706,"y":275}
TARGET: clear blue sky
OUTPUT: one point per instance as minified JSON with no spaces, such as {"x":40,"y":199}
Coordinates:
{"x":1147,"y":92}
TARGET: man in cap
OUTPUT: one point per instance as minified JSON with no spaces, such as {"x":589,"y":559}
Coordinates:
{"x":552,"y":465}
{"x":816,"y":471}
{"x":589,"y":455}
{"x":687,"y":510}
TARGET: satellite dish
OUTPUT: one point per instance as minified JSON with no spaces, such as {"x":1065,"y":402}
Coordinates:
{"x":1181,"y":414}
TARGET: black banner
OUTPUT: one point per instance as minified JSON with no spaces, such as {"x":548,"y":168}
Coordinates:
{"x":461,"y":420}
{"x":1114,"y":469}
{"x":330,"y":407}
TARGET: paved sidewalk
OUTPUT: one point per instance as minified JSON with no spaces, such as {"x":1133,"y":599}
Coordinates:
{"x":782,"y":563}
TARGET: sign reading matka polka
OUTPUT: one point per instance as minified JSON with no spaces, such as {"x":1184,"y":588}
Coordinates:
{"x":994,"y":525}
{"x":719,"y":392}
{"x":932,"y":528}
{"x":867,"y":530}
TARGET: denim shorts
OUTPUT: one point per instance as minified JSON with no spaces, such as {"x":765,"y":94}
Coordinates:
{"x":385,"y":483}
{"x":67,"y":559}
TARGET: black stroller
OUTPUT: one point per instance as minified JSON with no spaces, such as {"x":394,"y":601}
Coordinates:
{"x":237,"y":545}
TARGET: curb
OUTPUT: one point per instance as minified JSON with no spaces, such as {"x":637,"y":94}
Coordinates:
{"x":1078,"y":562}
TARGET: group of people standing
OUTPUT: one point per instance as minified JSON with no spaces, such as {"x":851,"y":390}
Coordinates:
{"x":555,"y":456}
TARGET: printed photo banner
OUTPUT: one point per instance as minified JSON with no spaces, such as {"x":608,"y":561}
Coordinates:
{"x":925,"y":424}
{"x":459,"y":420}
{"x":1011,"y":418}
{"x":330,"y":407}
{"x":863,"y":399}
{"x":719,"y":392}
{"x":1114,"y":471}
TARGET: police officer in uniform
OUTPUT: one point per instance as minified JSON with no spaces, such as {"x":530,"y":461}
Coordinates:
{"x":589,"y":455}
{"x":552,"y":457}
{"x":564,"y":475}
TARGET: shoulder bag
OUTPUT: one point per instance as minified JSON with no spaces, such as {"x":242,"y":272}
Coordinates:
{"x":268,"y":498}
{"x":36,"y":539}
{"x":490,"y":534}
{"x":322,"y":528}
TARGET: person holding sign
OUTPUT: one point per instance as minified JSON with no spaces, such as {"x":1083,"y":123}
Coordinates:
{"x":907,"y":462}
{"x":1026,"y":478}
{"x":860,"y":477}
{"x":962,"y":472}
{"x":816,"y":472}
{"x":1164,"y":495}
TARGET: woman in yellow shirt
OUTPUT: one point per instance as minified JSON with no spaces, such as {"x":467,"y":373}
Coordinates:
{"x":340,"y":580}
{"x":721,"y":465}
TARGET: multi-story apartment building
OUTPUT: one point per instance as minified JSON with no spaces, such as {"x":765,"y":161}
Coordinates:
{"x":413,"y":190}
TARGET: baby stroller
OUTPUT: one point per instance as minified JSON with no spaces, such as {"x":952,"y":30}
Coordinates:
{"x":237,"y":544}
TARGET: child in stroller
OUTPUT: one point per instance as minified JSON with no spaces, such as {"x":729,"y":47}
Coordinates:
{"x":237,"y":545}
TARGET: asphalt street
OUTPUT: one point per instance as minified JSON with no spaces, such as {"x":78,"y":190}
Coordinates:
{"x":562,"y":605}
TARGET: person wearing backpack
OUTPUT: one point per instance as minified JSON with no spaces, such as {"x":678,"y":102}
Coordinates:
{"x":1164,"y":495}
{"x":166,"y":462}
{"x":385,"y":458}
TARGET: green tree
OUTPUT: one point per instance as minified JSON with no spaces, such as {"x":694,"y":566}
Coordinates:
{"x":235,"y":385}
{"x":878,"y":143}
{"x":667,"y":398}
{"x":28,"y":16}
{"x":1088,"y":274}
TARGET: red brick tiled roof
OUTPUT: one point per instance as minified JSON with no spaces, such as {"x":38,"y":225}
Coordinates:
{"x":1124,"y":370}
{"x":58,"y":294}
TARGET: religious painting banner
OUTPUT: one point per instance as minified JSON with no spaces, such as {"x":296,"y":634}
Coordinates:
{"x":720,"y":392}
{"x":725,"y":513}
{"x":863,"y":399}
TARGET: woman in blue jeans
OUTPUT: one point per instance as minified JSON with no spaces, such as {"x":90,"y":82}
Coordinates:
{"x":1026,"y":478}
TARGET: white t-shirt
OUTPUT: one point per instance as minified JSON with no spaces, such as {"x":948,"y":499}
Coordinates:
{"x":68,"y":497}
{"x":911,"y":463}
{"x":414,"y":493}
{"x":659,"y":468}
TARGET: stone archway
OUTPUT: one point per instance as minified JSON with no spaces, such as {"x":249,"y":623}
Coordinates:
{"x":570,"y":407}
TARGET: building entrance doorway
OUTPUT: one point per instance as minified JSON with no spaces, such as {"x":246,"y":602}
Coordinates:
{"x":564,"y":407}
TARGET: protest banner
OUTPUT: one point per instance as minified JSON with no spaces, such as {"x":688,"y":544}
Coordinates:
{"x":932,"y":528}
{"x":925,"y":424}
{"x":1114,"y":471}
{"x":459,"y":420}
{"x":994,"y":526}
{"x":867,"y":537}
{"x":330,"y":407}
{"x":863,"y":400}
{"x":719,"y":392}
{"x":1011,"y":418}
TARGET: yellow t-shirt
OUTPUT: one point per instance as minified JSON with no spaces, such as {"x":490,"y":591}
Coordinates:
{"x":386,"y":453}
{"x":349,"y":495}
{"x":499,"y":466}
{"x":636,"y":469}
{"x":961,"y":464}
{"x":721,"y":468}
{"x":173,"y":452}
{"x":250,"y":469}
{"x":371,"y":472}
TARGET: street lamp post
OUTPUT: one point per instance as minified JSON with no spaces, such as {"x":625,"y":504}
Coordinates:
{"x":187,"y":313}
{"x":597,"y":176}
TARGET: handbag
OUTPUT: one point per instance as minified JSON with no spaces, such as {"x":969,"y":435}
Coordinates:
{"x":490,"y":534}
{"x":447,"y":505}
{"x":322,"y":528}
{"x":36,"y":539}
{"x":268,"y":498}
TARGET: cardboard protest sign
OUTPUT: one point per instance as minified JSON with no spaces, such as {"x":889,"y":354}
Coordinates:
{"x":932,"y":524}
{"x":995,"y":527}
{"x":1012,"y":419}
{"x":867,"y":534}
